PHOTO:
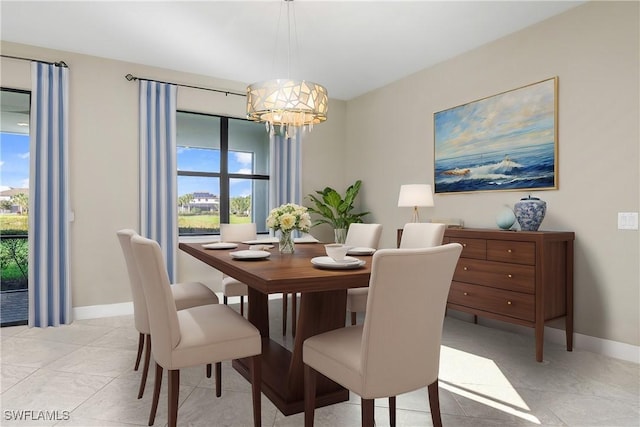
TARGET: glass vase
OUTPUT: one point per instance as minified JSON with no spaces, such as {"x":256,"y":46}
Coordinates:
{"x":286,"y":244}
{"x":340,"y":235}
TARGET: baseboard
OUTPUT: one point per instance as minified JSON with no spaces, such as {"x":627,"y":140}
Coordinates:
{"x":105,"y":310}
{"x":615,"y":349}
{"x":125,"y":308}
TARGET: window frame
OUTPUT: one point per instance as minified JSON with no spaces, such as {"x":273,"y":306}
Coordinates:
{"x":223,"y":175}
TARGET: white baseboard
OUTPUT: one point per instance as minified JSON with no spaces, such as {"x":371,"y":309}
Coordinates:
{"x":615,"y":349}
{"x":105,"y":310}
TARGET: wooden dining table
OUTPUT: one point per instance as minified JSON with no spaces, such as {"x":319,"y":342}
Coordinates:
{"x":322,"y":308}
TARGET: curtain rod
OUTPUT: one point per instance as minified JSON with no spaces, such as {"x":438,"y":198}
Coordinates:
{"x":131,"y":77}
{"x":57,"y":64}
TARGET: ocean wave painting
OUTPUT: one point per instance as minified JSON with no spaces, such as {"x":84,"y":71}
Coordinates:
{"x":504,"y":142}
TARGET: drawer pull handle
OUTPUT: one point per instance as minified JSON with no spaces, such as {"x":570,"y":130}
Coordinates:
{"x":509,"y":302}
{"x":465,"y":268}
{"x":465,"y":294}
{"x":464,"y":245}
{"x":509,"y":276}
{"x":509,"y":250}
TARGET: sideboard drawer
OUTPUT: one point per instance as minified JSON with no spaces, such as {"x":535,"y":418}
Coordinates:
{"x":507,"y":303}
{"x":513,"y":277}
{"x":510,"y":251}
{"x":472,"y":248}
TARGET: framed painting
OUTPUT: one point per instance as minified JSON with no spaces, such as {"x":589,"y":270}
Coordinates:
{"x":507,"y":141}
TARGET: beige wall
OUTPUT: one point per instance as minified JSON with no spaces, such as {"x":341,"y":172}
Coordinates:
{"x":594,"y":51}
{"x":103,"y":141}
{"x":385,"y":138}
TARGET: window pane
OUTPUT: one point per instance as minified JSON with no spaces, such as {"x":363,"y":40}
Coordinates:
{"x":248,"y":148}
{"x":198,"y":205}
{"x":198,"y":140}
{"x":249,"y":201}
{"x":198,"y":159}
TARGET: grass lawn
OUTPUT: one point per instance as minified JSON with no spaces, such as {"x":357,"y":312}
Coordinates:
{"x":14,"y":222}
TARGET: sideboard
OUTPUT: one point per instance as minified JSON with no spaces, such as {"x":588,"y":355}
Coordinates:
{"x":520,"y":277}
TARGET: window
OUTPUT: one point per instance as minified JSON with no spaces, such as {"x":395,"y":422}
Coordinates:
{"x":223,"y":173}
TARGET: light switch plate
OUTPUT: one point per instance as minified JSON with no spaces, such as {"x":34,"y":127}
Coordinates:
{"x":627,"y":220}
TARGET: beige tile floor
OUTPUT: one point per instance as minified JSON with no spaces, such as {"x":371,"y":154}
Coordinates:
{"x":488,"y":377}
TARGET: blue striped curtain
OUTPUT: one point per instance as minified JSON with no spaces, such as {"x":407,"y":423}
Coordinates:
{"x":285,"y":185}
{"x":158,"y":169}
{"x":49,"y":287}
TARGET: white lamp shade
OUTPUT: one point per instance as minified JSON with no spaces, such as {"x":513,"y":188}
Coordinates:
{"x":412,"y":195}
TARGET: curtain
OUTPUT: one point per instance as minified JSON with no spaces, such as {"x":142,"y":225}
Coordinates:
{"x":285,"y":185}
{"x":49,"y":287}
{"x":158,"y":169}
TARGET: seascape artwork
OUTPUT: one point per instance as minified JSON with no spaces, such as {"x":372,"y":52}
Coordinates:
{"x":504,"y":142}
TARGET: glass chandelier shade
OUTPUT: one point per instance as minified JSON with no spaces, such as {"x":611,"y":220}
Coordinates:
{"x":290,"y":104}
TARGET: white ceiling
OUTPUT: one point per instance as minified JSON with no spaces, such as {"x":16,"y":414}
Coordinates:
{"x":350,"y":47}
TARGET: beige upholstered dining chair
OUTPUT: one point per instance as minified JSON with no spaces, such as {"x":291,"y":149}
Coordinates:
{"x":193,"y":336}
{"x":422,"y":235}
{"x":236,"y":233}
{"x":185,"y":295}
{"x":397,"y":350}
{"x":366,"y":236}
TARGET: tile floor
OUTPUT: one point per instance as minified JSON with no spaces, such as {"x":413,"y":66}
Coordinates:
{"x":82,"y":375}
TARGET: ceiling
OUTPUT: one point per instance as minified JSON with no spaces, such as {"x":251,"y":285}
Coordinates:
{"x":350,"y":47}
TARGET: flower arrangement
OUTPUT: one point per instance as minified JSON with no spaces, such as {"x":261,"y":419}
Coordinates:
{"x":289,"y":217}
{"x":286,"y":218}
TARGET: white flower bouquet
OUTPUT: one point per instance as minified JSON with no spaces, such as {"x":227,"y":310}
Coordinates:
{"x":289,"y":217}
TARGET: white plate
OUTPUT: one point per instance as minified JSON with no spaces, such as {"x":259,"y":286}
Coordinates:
{"x":328,"y":262}
{"x":220,"y":245}
{"x":361,"y":251}
{"x":265,"y":241}
{"x":305,"y":239}
{"x":249,"y":254}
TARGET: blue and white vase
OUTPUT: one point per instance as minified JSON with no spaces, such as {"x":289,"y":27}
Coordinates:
{"x":530,"y":212}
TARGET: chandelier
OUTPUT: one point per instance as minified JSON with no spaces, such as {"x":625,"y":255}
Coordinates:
{"x":290,"y":104}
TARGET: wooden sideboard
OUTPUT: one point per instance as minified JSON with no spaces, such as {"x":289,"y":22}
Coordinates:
{"x":521,"y":277}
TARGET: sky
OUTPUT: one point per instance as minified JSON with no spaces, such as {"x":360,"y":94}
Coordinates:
{"x":14,"y":167}
{"x":14,"y":161}
{"x":524,"y":117}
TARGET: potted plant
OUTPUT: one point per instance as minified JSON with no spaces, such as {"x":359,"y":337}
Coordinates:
{"x":335,"y":210}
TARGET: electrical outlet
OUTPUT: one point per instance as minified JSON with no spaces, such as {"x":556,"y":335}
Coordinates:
{"x":627,"y":220}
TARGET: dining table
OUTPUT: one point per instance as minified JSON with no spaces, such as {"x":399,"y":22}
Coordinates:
{"x":323,"y":300}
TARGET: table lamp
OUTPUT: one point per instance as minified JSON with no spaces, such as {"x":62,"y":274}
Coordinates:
{"x":414,"y":195}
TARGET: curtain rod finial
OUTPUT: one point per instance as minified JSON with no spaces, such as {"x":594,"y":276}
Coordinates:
{"x":130,"y":77}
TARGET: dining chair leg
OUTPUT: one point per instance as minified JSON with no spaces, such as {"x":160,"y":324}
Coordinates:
{"x":285,"y":301}
{"x":156,"y":395}
{"x":392,"y":411}
{"x":354,"y":317}
{"x":241,"y":305}
{"x":145,"y":369}
{"x":218,"y":379}
{"x":294,"y":313}
{"x":367,"y":412}
{"x":434,"y":403}
{"x":225,"y":300}
{"x":256,"y":389}
{"x":174,"y":389}
{"x":309,"y":395}
{"x":140,"y":347}
{"x":208,"y":370}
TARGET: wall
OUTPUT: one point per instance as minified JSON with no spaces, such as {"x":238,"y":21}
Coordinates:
{"x":594,"y":50}
{"x":385,"y":138}
{"x":103,"y":144}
